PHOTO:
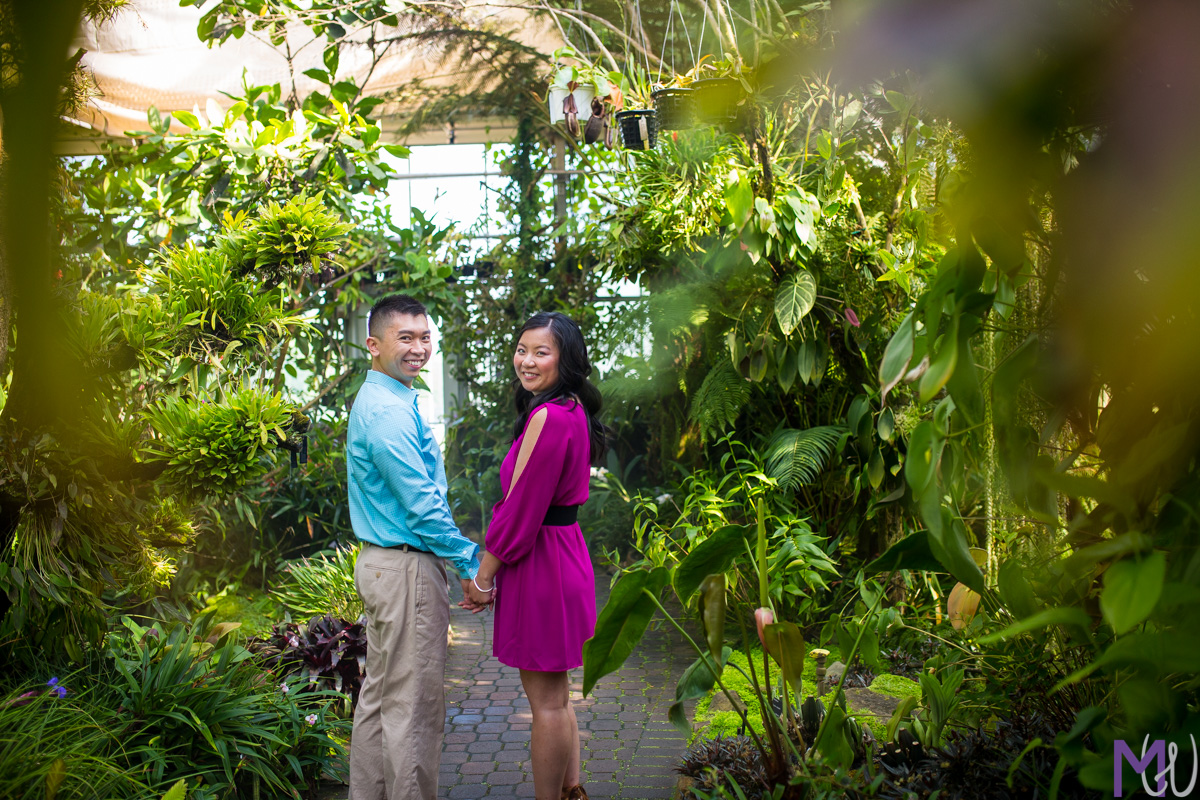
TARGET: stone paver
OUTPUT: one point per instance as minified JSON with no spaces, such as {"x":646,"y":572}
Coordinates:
{"x":629,"y":749}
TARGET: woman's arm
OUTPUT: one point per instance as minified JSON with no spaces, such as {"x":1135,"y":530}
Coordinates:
{"x":485,"y":580}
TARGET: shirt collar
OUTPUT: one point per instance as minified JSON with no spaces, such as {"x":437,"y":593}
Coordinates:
{"x":391,"y":384}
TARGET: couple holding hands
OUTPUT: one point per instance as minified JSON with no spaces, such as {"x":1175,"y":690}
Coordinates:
{"x":536,"y":573}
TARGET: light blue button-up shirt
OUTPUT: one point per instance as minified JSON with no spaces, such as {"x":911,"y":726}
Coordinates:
{"x":396,"y":477}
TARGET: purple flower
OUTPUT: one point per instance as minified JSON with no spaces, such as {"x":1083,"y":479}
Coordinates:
{"x":311,"y":719}
{"x":283,"y":687}
{"x":851,"y":317}
{"x":55,"y":689}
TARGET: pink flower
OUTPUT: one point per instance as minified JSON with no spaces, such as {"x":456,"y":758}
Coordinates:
{"x":851,"y":317}
{"x":762,"y":618}
{"x":311,"y":719}
{"x":283,"y":687}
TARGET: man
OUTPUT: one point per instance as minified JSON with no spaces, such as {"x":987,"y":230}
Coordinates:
{"x":397,"y":488}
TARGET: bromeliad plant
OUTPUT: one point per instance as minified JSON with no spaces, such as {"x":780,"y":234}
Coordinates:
{"x":327,"y":653}
{"x":718,"y":569}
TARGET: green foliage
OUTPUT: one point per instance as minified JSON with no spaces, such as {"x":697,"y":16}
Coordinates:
{"x":283,"y":242}
{"x":205,"y":714}
{"x":214,"y":448}
{"x":214,"y":313}
{"x":52,"y":746}
{"x":255,"y":612}
{"x":321,"y":584}
{"x":797,"y":457}
{"x":719,"y":400}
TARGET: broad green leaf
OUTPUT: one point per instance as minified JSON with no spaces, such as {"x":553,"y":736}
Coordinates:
{"x":794,"y":300}
{"x":621,"y":623}
{"x":941,"y":366}
{"x":875,"y":468}
{"x":924,"y":452}
{"x":785,"y":643}
{"x":739,"y":197}
{"x":1014,"y":589}
{"x":912,"y":552}
{"x":697,"y":680}
{"x":786,"y":373}
{"x":832,"y":742}
{"x":712,"y":612}
{"x":885,"y":426}
{"x":178,"y":791}
{"x":1061,"y":615}
{"x":902,"y":711}
{"x":806,"y":360}
{"x":1132,"y":588}
{"x":896,"y":356}
{"x":188,"y":118}
{"x":963,"y":383}
{"x":1165,"y":653}
{"x":948,"y":540}
{"x":758,"y":365}
{"x":712,"y":556}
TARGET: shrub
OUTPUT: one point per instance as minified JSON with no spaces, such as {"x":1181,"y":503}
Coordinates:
{"x":322,"y":584}
{"x":328,"y":651}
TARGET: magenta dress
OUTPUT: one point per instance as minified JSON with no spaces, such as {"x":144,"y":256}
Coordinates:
{"x":545,"y":593}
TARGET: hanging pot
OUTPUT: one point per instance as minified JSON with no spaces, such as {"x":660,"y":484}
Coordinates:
{"x":639,"y":128}
{"x":676,"y":108}
{"x":717,"y":100}
{"x":583,"y":95}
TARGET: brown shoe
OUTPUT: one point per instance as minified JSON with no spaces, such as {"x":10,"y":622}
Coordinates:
{"x":575,"y":793}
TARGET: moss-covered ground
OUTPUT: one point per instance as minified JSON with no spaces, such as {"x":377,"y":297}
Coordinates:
{"x":710,"y":723}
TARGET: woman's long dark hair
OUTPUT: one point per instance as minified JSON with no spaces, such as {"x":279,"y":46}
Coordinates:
{"x":573,"y":371}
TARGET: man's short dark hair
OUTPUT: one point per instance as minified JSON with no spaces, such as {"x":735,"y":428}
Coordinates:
{"x":385,"y":307}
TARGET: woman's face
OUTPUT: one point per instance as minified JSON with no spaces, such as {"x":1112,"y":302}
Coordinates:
{"x":536,"y":360}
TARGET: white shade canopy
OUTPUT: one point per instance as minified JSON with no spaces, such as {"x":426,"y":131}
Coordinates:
{"x":150,"y":55}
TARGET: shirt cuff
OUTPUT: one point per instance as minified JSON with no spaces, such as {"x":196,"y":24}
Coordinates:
{"x":467,"y":570}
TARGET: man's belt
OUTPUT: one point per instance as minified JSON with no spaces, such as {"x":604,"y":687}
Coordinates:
{"x":561,"y":515}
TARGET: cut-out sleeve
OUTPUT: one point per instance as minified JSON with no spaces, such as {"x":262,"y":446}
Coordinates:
{"x":517,"y":518}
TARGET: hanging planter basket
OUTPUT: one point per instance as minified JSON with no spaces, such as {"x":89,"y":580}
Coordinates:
{"x":717,"y":100}
{"x":639,"y":128}
{"x":583,"y":95}
{"x":676,"y":108}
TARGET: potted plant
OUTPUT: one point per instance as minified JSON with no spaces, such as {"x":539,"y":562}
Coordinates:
{"x":719,"y":89}
{"x":586,"y":91}
{"x":638,"y":123}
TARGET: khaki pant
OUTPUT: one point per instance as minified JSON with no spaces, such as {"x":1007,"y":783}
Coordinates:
{"x":396,"y":745}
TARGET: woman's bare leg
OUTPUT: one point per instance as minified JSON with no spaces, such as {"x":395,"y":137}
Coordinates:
{"x":554,"y":749}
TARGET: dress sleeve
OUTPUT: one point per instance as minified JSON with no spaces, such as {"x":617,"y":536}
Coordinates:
{"x":518,"y":516}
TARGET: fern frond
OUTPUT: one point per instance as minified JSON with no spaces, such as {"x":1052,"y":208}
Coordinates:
{"x":719,"y":400}
{"x":795,"y":458}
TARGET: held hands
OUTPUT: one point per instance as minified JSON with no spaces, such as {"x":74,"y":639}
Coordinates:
{"x":475,"y":599}
{"x":467,"y":603}
{"x":482,"y":590}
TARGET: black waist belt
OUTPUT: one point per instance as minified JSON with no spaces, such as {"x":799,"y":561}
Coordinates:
{"x":561,"y":515}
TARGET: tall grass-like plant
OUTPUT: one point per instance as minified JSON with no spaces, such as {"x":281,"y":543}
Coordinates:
{"x":204,"y":712}
{"x":322,"y":584}
{"x":58,"y":742}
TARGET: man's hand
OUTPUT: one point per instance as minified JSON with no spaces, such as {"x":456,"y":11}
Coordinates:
{"x":467,"y":603}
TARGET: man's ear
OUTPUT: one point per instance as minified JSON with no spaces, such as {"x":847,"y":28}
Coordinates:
{"x":372,"y":345}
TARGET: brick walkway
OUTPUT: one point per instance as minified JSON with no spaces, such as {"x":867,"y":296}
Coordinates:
{"x":629,"y":748}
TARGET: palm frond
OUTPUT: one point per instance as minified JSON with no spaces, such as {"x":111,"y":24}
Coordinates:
{"x":795,"y":458}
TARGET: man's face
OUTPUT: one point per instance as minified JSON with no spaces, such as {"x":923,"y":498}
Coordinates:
{"x":403,"y":347}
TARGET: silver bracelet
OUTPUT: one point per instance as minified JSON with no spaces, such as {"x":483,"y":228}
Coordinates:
{"x":480,"y":588}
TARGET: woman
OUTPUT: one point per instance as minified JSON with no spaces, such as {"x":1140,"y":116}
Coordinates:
{"x":537,"y":567}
